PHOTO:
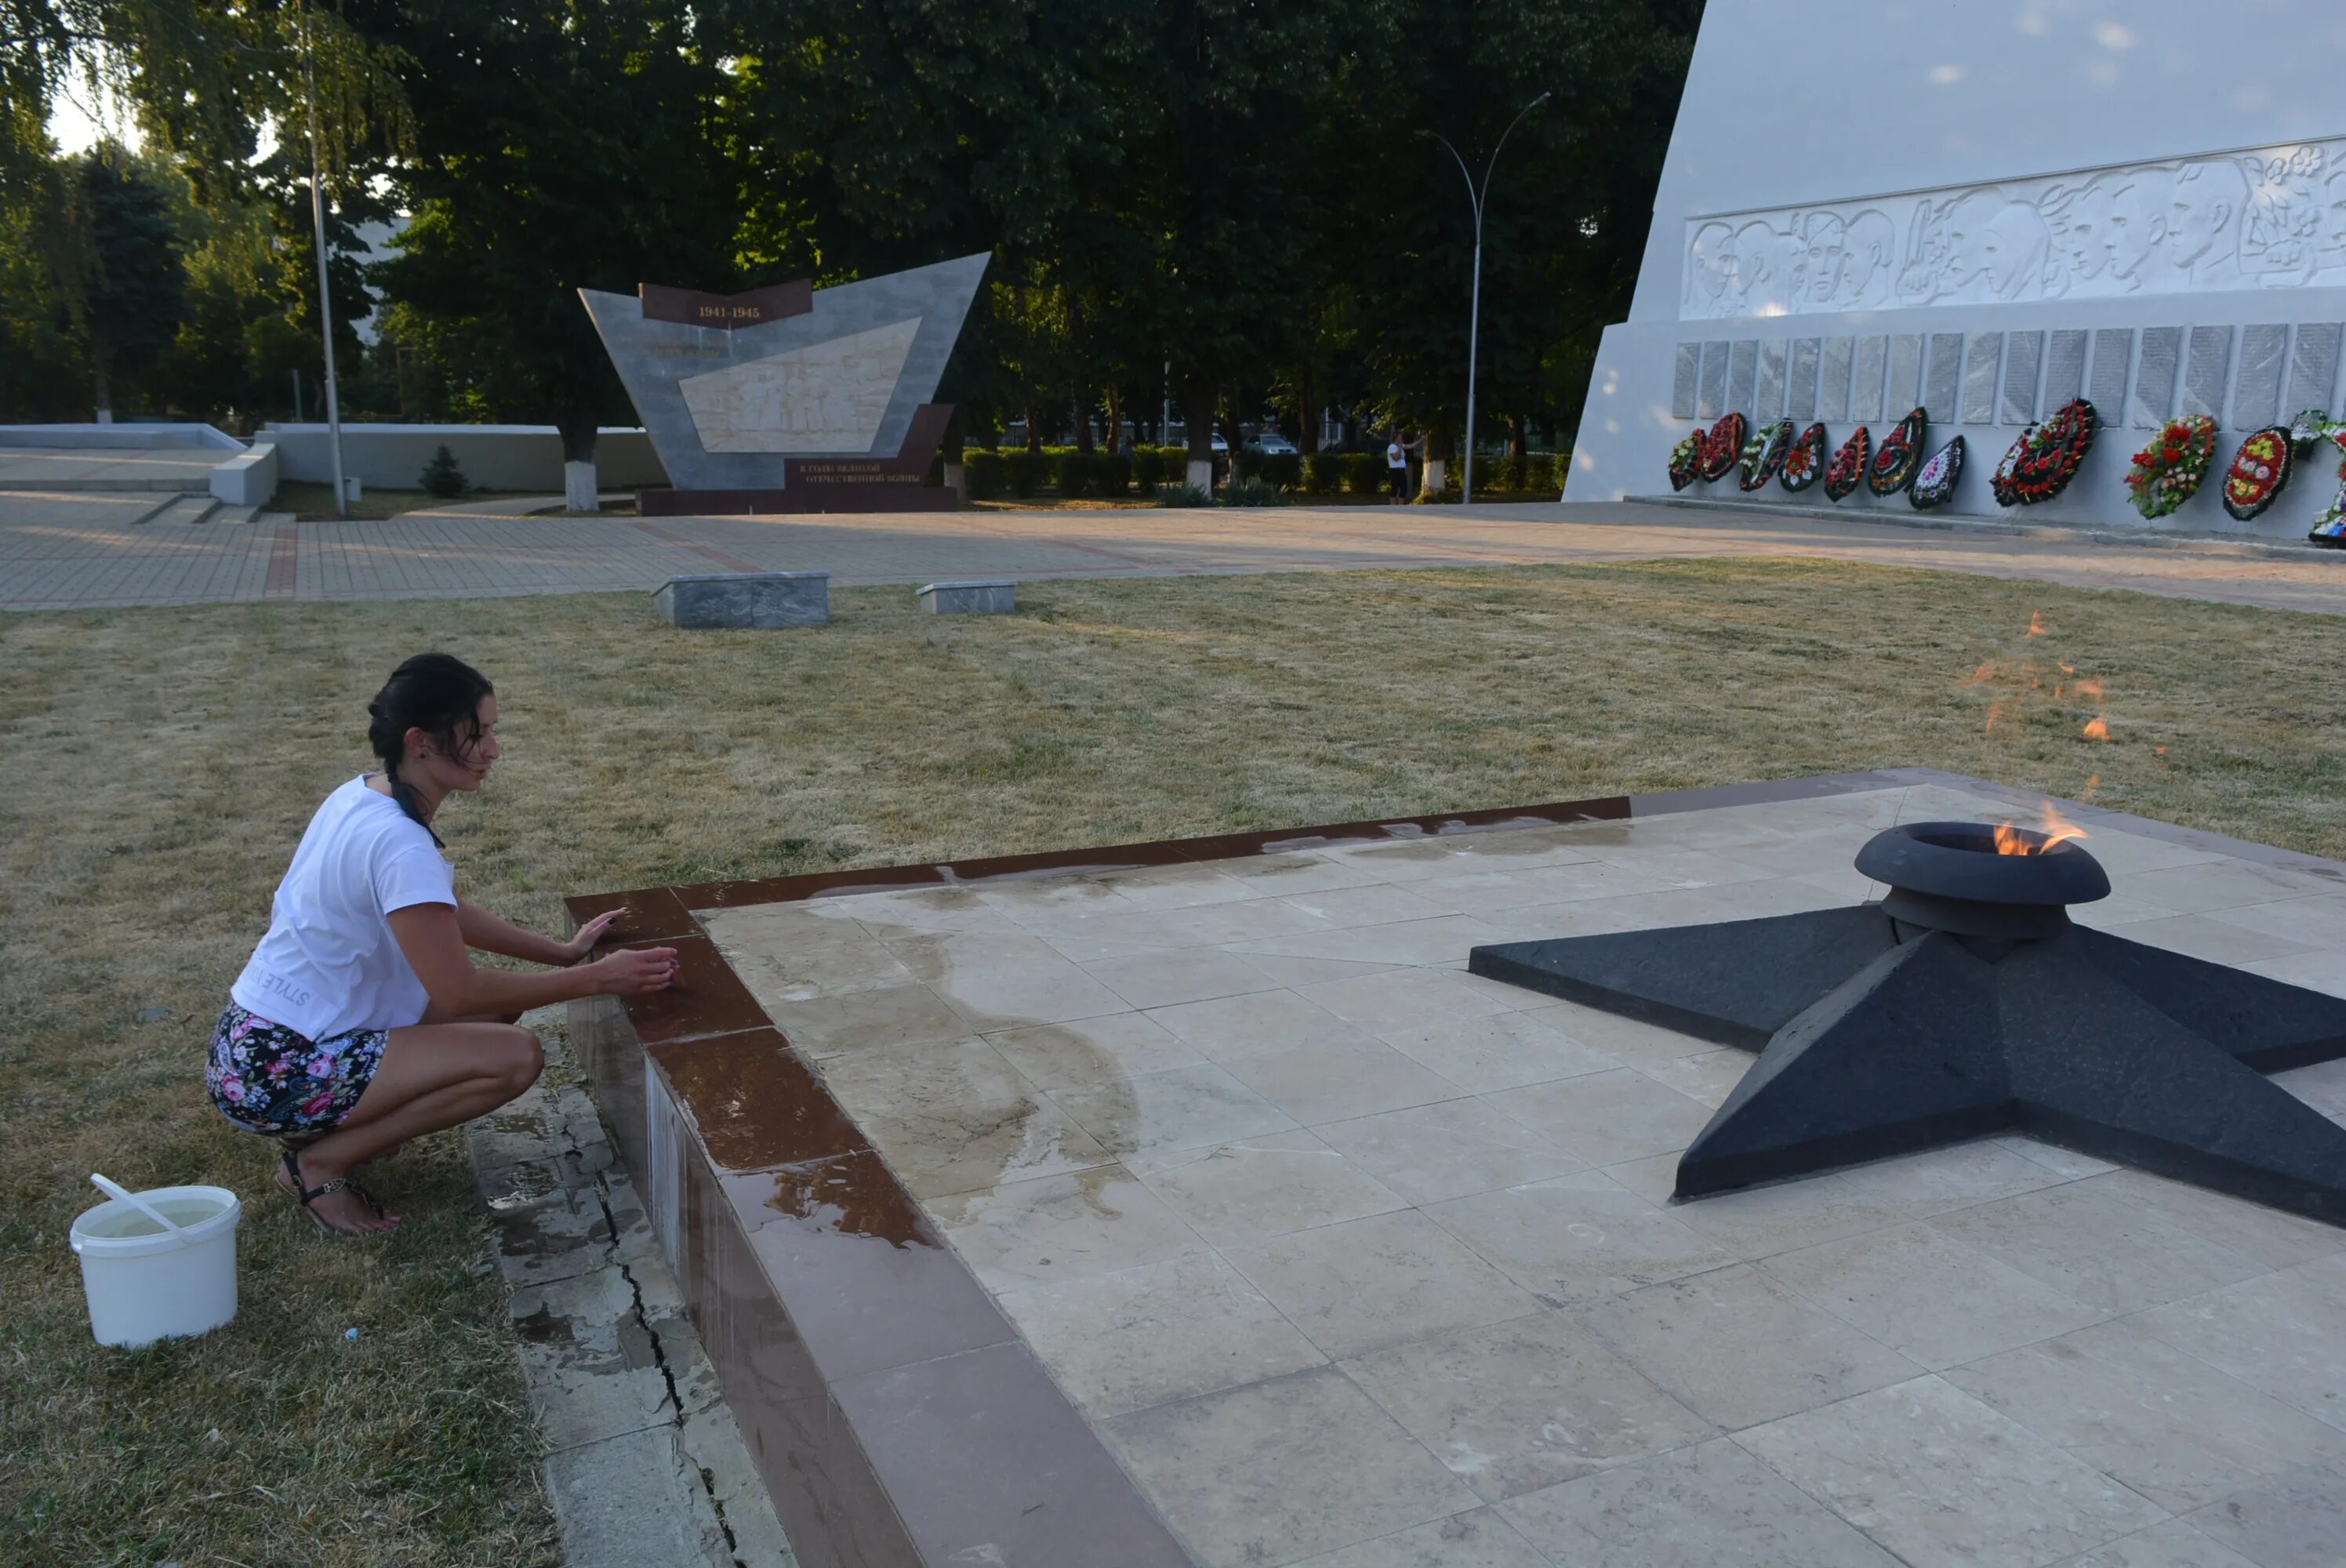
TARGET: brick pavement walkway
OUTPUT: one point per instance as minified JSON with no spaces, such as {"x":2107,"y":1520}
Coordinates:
{"x":81,"y":551}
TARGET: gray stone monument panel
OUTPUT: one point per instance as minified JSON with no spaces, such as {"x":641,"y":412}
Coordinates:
{"x":2112,"y":356}
{"x":1713,"y":402}
{"x":990,"y":597}
{"x":1942,"y":376}
{"x":2153,"y":378}
{"x":1742,"y":360}
{"x":1832,"y":384}
{"x":761,"y":601}
{"x":2312,"y":367}
{"x":2023,"y":355}
{"x":1905,"y":376}
{"x":1982,"y":359}
{"x":904,"y":321}
{"x":2065,"y":368}
{"x":2255,"y":393}
{"x":1801,"y":401}
{"x":2209,"y":371}
{"x":1767,"y":398}
{"x":1865,"y":381}
{"x":1683,"y":382}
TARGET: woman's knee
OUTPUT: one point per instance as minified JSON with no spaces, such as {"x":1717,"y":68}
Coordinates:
{"x":523,"y":1057}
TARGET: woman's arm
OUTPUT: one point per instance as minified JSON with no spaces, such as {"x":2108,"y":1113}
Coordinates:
{"x":433,"y":939}
{"x":485,"y":932}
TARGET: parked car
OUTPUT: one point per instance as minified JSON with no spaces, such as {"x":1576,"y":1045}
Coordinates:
{"x":1271,"y":443}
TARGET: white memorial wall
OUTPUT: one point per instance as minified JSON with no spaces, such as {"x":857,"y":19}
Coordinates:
{"x":1987,"y":208}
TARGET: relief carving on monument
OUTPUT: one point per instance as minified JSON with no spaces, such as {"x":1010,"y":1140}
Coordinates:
{"x":825,"y":397}
{"x":2272,"y":217}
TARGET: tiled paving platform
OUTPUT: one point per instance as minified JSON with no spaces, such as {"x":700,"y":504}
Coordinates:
{"x":62,"y":552}
{"x":1198,"y":1189}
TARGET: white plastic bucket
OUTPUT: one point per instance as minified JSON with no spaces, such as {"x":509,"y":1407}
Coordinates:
{"x":145,"y":1283}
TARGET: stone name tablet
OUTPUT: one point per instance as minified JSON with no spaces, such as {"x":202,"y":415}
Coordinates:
{"x":2153,"y":378}
{"x":1741,"y":362}
{"x":1683,"y":382}
{"x":1832,"y":388}
{"x":1905,"y":376}
{"x":760,"y":601}
{"x":1768,"y":397}
{"x":2312,"y":367}
{"x":1865,"y":381}
{"x":1714,"y":380}
{"x":2209,"y":371}
{"x":1801,"y":401}
{"x":2024,"y":352}
{"x":1981,"y":362}
{"x":1942,"y":376}
{"x":988,"y":596}
{"x":2256,"y":395}
{"x":2113,"y":351}
{"x":2065,"y":368}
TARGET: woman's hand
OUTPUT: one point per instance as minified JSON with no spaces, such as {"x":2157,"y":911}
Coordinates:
{"x":579,"y":946}
{"x":636,"y":969}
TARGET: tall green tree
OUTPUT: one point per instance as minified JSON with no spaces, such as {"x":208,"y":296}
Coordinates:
{"x":128,"y":292}
{"x":559,"y":144}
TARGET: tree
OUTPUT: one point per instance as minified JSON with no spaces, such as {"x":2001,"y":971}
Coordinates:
{"x":558,"y":146}
{"x":130,"y":289}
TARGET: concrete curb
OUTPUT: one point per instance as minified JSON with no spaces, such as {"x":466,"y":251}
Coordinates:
{"x":644,"y":1463}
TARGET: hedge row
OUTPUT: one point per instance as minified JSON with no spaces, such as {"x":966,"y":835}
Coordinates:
{"x":1015,"y":471}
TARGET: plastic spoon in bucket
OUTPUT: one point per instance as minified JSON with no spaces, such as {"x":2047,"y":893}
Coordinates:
{"x":113,"y":1188}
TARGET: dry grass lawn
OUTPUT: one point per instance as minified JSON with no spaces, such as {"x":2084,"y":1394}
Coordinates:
{"x":160,"y":764}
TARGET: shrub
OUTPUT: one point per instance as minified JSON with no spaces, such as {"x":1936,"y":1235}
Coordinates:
{"x":1282,"y":470}
{"x":985,"y":472}
{"x":1148,"y":466}
{"x":1539,"y":471}
{"x":1022,"y":471}
{"x":1364,"y":473}
{"x":1073,"y":472}
{"x":1323,"y":473}
{"x":442,"y":476}
{"x":1253,"y":492}
{"x":1503,"y":472}
{"x":1182,"y":495}
{"x":1112,"y":474}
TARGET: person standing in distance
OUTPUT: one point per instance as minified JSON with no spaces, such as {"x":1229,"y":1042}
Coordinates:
{"x":1397,"y":468}
{"x":360,"y":1021}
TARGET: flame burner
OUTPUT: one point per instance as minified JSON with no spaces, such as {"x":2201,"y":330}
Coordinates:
{"x":1964,"y":1004}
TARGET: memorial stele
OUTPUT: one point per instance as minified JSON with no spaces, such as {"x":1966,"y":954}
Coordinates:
{"x":792,"y":398}
{"x":1989,"y":210}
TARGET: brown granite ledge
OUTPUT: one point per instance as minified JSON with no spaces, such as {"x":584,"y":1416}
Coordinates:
{"x":895,"y":1415}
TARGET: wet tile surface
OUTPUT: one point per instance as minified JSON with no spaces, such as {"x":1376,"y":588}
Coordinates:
{"x":1358,"y":1261}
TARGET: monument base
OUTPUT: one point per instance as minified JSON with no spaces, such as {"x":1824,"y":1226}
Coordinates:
{"x":899,"y":495}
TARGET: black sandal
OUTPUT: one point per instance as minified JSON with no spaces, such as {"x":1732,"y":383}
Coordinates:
{"x":306,"y":1195}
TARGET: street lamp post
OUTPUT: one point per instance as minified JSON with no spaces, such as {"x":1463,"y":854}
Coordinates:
{"x":1474,"y":317}
{"x":325,"y":295}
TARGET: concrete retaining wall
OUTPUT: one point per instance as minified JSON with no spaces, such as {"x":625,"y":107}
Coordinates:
{"x":248,"y":479}
{"x":493,"y":456}
{"x":119,"y":437}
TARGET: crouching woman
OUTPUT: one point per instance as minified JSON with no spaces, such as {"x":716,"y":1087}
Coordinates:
{"x":360,"y":1021}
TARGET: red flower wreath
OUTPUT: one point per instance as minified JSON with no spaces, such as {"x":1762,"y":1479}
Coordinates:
{"x":1805,"y":463}
{"x":1848,"y":465}
{"x":2041,"y":462}
{"x":1721,"y":447}
{"x":1901,"y":454}
{"x":2260,"y":469}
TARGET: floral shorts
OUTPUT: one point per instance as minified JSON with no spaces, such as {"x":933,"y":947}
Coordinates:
{"x":266,"y":1078}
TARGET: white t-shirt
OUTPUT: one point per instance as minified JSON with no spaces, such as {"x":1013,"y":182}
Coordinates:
{"x":330,"y":962}
{"x":1395,"y":457}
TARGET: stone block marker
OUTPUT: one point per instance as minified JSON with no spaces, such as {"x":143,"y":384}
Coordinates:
{"x":981,"y":597}
{"x":761,"y":601}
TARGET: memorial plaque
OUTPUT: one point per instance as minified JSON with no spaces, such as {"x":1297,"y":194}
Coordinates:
{"x":1800,"y":402}
{"x":1905,"y":376}
{"x":2113,"y":356}
{"x":2313,"y":367}
{"x":1834,"y":381}
{"x":2153,"y":378}
{"x":1740,"y":361}
{"x":2065,"y":368}
{"x":2256,"y":395}
{"x":1714,"y":380}
{"x":1865,"y":381}
{"x":1942,"y":376}
{"x":1981,"y":362}
{"x":2209,"y":371}
{"x":1682,"y":383}
{"x":2024,"y":352}
{"x":1769,"y":398}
